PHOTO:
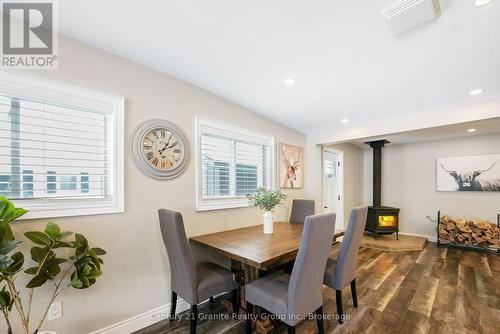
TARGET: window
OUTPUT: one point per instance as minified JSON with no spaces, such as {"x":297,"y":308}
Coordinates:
{"x":330,"y":168}
{"x":68,"y":182}
{"x":27,"y":183}
{"x":231,"y":163}
{"x":51,"y":182}
{"x":246,"y":179}
{"x":5,"y":185}
{"x":217,"y":178}
{"x":61,"y":148}
{"x":84,"y":183}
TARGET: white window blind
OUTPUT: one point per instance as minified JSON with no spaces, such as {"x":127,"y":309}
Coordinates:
{"x":60,"y":149}
{"x":232,"y":163}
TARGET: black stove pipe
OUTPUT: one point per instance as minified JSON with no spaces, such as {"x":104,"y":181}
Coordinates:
{"x":377,"y":170}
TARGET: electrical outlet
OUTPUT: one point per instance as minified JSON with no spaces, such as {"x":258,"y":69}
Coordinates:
{"x":55,"y":311}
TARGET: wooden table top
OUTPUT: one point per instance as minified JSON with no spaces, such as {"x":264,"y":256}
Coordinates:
{"x":251,"y":246}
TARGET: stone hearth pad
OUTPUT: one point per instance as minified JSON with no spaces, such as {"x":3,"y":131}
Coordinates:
{"x":390,"y":243}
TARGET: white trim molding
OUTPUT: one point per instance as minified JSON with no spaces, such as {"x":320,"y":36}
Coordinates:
{"x":143,"y":320}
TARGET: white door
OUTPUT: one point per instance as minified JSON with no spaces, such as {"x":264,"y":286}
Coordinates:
{"x":332,"y":185}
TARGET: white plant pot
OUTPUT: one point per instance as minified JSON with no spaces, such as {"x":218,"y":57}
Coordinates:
{"x":268,"y":222}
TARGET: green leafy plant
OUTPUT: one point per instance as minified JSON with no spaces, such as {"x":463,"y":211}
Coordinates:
{"x":49,"y":266}
{"x":267,"y":199}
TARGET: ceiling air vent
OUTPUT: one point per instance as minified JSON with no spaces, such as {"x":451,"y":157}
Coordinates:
{"x":407,"y":14}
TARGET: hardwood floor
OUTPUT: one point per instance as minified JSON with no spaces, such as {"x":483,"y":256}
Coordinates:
{"x":436,"y":290}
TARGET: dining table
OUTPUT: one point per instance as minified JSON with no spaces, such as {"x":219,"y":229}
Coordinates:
{"x":254,"y":254}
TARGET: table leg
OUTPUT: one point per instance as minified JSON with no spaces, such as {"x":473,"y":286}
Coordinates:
{"x":245,"y":274}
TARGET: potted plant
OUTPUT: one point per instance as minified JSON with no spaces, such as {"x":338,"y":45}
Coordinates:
{"x":267,"y":200}
{"x":59,"y":269}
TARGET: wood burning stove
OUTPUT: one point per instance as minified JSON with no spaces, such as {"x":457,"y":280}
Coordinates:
{"x":381,"y":219}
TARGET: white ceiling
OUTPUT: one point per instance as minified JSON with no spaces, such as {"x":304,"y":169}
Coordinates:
{"x":483,"y":127}
{"x":342,"y":53}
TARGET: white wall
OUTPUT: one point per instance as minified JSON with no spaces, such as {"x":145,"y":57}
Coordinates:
{"x":136,"y":273}
{"x":409,"y":182}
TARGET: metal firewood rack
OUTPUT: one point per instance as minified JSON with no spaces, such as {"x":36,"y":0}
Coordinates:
{"x":454,"y":244}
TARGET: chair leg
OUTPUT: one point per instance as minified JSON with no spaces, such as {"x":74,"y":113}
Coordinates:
{"x":340,"y":312}
{"x":249,"y":318}
{"x":173,"y":305}
{"x":235,"y":301}
{"x":211,"y":301}
{"x":194,"y":319}
{"x":291,"y":329}
{"x":289,"y":267}
{"x":354,"y":293}
{"x":319,"y":320}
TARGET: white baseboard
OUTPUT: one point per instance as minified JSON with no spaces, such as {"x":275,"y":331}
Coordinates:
{"x":143,"y":320}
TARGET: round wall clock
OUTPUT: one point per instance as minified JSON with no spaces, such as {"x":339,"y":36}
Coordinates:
{"x":160,"y":149}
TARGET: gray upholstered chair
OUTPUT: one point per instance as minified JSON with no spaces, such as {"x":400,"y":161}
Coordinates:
{"x":341,"y":271}
{"x":293,"y":297}
{"x":301,"y":208}
{"x":194,"y":282}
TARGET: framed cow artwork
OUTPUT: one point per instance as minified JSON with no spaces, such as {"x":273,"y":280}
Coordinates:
{"x":469,"y":173}
{"x":291,"y":166}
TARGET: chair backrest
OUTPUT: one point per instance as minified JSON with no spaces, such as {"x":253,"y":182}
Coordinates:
{"x":182,"y":264}
{"x":305,"y":289}
{"x":301,"y":208}
{"x":346,"y":259}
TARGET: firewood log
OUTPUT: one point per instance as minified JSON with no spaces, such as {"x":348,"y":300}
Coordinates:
{"x":465,"y":228}
{"x":469,"y":231}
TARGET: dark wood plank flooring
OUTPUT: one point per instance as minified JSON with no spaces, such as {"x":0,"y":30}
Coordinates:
{"x":436,"y":290}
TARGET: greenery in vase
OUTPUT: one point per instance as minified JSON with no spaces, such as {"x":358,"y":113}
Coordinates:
{"x":79,"y":270}
{"x":267,"y":199}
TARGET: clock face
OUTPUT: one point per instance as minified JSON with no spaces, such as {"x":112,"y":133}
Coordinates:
{"x":162,"y":149}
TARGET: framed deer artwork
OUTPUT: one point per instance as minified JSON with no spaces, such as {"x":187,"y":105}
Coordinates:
{"x":291,"y":166}
{"x":469,"y":173}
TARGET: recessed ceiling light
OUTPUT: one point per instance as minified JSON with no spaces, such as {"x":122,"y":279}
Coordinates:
{"x":471,"y":130}
{"x":476,"y":92}
{"x":345,"y":120}
{"x":290,"y":82}
{"x":480,"y":3}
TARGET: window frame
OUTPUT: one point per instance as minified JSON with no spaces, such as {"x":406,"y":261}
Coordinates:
{"x":33,"y":88}
{"x":227,"y":202}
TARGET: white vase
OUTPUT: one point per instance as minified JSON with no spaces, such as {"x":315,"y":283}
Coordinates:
{"x":268,"y":222}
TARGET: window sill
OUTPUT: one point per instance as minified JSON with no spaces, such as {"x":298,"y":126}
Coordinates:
{"x":217,"y":204}
{"x":46,"y":209}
